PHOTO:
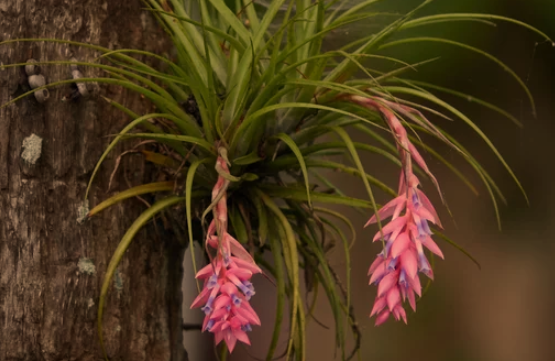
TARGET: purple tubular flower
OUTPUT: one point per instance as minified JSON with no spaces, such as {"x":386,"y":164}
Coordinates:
{"x":403,"y":279}
{"x":210,"y":324}
{"x":392,"y":264}
{"x":424,"y":265}
{"x":236,"y":300}
{"x":207,"y":309}
{"x":212,"y":281}
{"x":415,"y":200}
{"x":247,"y":288}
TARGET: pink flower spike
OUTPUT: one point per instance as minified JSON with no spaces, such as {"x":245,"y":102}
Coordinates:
{"x":227,"y":287}
{"x":396,"y":269}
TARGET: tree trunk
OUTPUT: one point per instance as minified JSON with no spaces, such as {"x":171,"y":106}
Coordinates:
{"x":52,"y":267}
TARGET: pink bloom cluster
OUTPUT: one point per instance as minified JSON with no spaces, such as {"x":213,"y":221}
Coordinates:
{"x":395,"y":270}
{"x":227,"y":287}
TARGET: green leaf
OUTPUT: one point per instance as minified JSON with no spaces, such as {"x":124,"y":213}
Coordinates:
{"x":346,"y":251}
{"x":385,"y":76}
{"x":241,"y":77}
{"x":299,"y":194}
{"x":355,"y":9}
{"x":231,"y":19}
{"x":188,"y":208}
{"x":249,"y":177}
{"x":473,"y":49}
{"x":353,"y":171}
{"x":180,"y":138}
{"x":188,"y":43}
{"x":130,"y":193}
{"x":161,"y":92}
{"x":328,"y":283}
{"x":160,"y":101}
{"x":123,"y":108}
{"x":82,"y":45}
{"x":140,"y":66}
{"x":114,"y":142}
{"x":222,"y":34}
{"x":484,"y":176}
{"x":469,"y":16}
{"x":460,"y":248}
{"x":280,"y":294}
{"x":345,"y":69}
{"x":262,"y":220}
{"x":332,"y":186}
{"x":354,"y":154}
{"x":342,"y":218}
{"x":300,"y":344}
{"x":250,"y":120}
{"x":290,"y":251}
{"x":238,"y":225}
{"x":469,"y":98}
{"x":291,"y":144}
{"x":250,"y":158}
{"x":160,"y":159}
{"x":120,"y":251}
{"x":317,"y":150}
{"x":451,"y":167}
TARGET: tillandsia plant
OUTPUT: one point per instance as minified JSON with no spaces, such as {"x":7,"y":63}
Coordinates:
{"x":247,"y":113}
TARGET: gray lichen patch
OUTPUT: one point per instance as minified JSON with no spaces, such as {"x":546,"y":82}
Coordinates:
{"x":32,"y":149}
{"x":86,"y":266}
{"x":118,"y":281}
{"x":82,"y":211}
{"x":90,"y":303}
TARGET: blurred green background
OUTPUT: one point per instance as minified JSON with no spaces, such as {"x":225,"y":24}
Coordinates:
{"x":505,"y":311}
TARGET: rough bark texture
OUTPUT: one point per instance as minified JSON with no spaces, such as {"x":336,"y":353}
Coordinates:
{"x":49,"y":287}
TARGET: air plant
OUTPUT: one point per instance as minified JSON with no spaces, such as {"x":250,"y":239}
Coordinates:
{"x":246,"y":113}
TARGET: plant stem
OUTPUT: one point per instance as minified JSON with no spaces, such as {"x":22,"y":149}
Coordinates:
{"x":223,"y":354}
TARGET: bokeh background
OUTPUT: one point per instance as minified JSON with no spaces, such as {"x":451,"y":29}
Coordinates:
{"x":505,"y":311}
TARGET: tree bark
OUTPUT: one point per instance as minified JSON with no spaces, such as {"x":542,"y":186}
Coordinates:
{"x":52,"y":267}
